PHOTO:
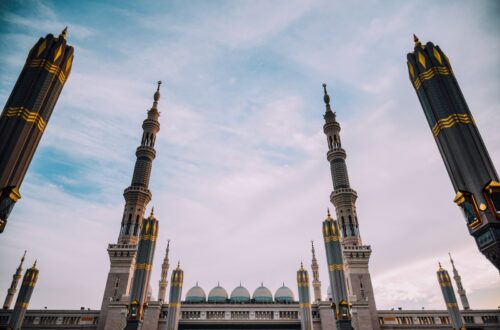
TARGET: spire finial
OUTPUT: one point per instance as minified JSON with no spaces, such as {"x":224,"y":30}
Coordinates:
{"x":168,"y":246}
{"x":415,"y":39}
{"x":64,"y":32}
{"x":152,"y":211}
{"x":157,"y":94}
{"x":439,"y":263}
{"x":326,"y":98}
{"x":312,"y":247}
{"x":24,"y":255}
{"x":328,"y":215}
{"x":301,"y":266}
{"x":451,"y":259}
{"x":34,"y":264}
{"x":178,"y":264}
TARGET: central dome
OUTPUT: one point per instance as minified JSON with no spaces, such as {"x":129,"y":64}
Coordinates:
{"x":240,"y":295}
{"x":262,"y":295}
{"x":217,"y":295}
{"x":284,"y":295}
{"x":196,"y":295}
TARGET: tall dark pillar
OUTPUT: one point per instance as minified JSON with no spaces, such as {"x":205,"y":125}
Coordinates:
{"x":174,"y":304}
{"x":23,"y":298}
{"x":340,"y":306}
{"x":13,"y":286}
{"x":449,"y":298}
{"x":142,"y":273}
{"x":27,"y":112}
{"x":465,"y":156}
{"x":304,"y":298}
{"x":164,"y":273}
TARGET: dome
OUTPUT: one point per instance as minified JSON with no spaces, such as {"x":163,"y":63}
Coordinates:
{"x":217,"y":295}
{"x":240,"y":294}
{"x":262,"y":295}
{"x":284,"y":295}
{"x":196,"y":295}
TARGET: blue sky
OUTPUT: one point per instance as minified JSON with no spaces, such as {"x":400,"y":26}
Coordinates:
{"x":241,"y":183}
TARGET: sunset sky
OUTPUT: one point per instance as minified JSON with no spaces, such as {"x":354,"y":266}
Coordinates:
{"x":241,"y":183}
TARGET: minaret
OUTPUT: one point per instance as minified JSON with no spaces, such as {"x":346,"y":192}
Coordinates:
{"x":331,"y":235}
{"x":137,"y":196}
{"x":23,"y":298}
{"x":304,"y":299}
{"x":315,"y":270}
{"x":13,"y":286}
{"x":142,"y":273}
{"x":343,"y":197}
{"x":174,"y":305}
{"x":449,"y":298}
{"x":164,"y":273}
{"x":27,"y":112}
{"x":465,"y":156}
{"x":460,"y":288}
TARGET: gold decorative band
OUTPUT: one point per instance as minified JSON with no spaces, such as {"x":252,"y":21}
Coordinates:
{"x":451,"y":305}
{"x":174,"y":305}
{"x":444,"y":284}
{"x":143,"y":266}
{"x":450,"y":121}
{"x":331,"y":239}
{"x":148,"y":237}
{"x":30,"y":117}
{"x":303,"y":284}
{"x":176,"y":283}
{"x":426,"y":75}
{"x":304,"y":305}
{"x":22,"y":305}
{"x":333,"y":267}
{"x":50,"y":67}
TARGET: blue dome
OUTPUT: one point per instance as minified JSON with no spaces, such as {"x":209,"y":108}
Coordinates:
{"x":284,"y":295}
{"x":262,"y":295}
{"x":196,"y":295}
{"x":217,"y":295}
{"x":240,"y":295}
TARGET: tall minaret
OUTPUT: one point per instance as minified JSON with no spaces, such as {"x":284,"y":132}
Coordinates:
{"x":23,"y":298}
{"x":27,"y":112}
{"x":460,"y":288}
{"x":449,"y":298}
{"x":164,"y":275}
{"x":472,"y":173}
{"x":315,"y":270}
{"x":304,"y":299}
{"x":142,"y":273}
{"x":137,"y":196}
{"x":174,"y":305}
{"x":13,"y":286}
{"x":333,"y":248}
{"x":343,"y":197}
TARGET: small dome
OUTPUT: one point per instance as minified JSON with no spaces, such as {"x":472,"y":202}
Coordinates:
{"x":240,"y":294}
{"x":217,"y":295}
{"x":196,"y":295}
{"x":284,"y":295}
{"x":262,"y":295}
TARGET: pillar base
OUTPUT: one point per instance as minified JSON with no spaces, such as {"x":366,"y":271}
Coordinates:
{"x":133,"y":325}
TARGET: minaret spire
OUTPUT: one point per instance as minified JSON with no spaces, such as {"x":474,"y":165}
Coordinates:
{"x":137,"y":197}
{"x":164,"y":275}
{"x":460,"y":288}
{"x":449,"y":298}
{"x":13,"y":286}
{"x":356,"y":255}
{"x":315,"y":270}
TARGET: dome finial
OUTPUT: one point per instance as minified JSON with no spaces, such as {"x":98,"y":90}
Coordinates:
{"x":328,"y":215}
{"x":326,"y":98}
{"x":152,"y":211}
{"x":178,"y":264}
{"x":417,"y":42}
{"x":168,"y":246}
{"x":301,"y":266}
{"x":34,"y":264}
{"x":64,"y":32}
{"x":24,"y":255}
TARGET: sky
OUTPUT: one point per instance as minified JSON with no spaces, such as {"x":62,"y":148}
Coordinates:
{"x":241,"y":183}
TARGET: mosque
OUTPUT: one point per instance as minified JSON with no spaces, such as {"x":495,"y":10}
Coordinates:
{"x":127,"y":301}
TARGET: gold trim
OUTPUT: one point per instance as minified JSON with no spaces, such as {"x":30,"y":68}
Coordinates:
{"x":143,"y":266}
{"x":305,"y":305}
{"x":331,"y":239}
{"x":426,"y":75}
{"x":14,"y":194}
{"x":30,"y":117}
{"x":493,"y":186}
{"x":42,"y":47}
{"x":334,"y":267}
{"x":450,"y":121}
{"x":451,"y":305}
{"x":50,"y":67}
{"x":22,"y":305}
{"x":174,"y":305}
{"x":460,"y":198}
{"x":437,"y":56}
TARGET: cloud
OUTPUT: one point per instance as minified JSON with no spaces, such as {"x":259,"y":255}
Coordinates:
{"x":241,"y":182}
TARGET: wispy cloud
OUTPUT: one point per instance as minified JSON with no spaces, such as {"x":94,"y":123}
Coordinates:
{"x":241,"y":182}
